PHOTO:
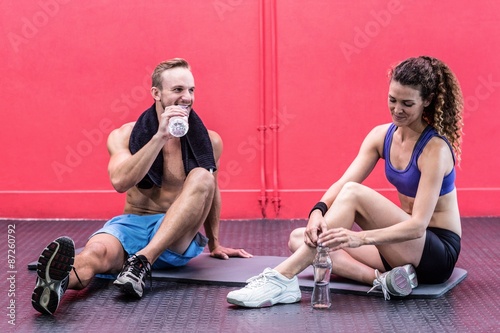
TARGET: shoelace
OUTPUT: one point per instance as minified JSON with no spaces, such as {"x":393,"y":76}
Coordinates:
{"x":65,"y":283}
{"x":135,"y":266}
{"x":76,"y":274}
{"x":378,"y":283}
{"x":257,"y":281}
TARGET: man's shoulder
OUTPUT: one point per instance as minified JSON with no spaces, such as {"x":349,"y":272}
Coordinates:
{"x":124,"y":129}
{"x":213,"y":135}
{"x":216,"y":141}
{"x":215,"y":138}
{"x":121,"y":134}
{"x":127,"y":126}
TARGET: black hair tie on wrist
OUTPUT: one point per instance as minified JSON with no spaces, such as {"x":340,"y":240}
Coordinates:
{"x":321,"y":206}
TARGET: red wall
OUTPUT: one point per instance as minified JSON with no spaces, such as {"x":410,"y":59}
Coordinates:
{"x":291,"y":86}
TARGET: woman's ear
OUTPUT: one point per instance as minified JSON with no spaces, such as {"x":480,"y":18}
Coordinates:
{"x":428,"y":101}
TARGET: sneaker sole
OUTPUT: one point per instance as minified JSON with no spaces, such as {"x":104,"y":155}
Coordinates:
{"x":127,"y":288}
{"x":284,"y":299}
{"x":412,"y":275}
{"x":398,"y":282}
{"x":54,"y":265}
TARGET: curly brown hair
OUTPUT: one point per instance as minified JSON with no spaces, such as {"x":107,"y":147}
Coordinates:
{"x":435,"y":81}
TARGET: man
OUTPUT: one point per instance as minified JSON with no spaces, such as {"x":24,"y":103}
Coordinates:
{"x":171,"y":186}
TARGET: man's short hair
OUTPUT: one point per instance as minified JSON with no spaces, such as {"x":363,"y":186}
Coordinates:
{"x":165,"y":65}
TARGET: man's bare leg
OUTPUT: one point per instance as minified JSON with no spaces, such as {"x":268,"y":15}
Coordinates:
{"x":176,"y":232}
{"x":58,"y":268}
{"x":185,"y":217}
{"x":103,"y":253}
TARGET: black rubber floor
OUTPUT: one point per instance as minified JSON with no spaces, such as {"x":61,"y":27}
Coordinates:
{"x":472,"y":306}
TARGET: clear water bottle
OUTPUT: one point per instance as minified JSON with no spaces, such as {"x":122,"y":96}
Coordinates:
{"x":322,"y":269}
{"x":178,"y":126}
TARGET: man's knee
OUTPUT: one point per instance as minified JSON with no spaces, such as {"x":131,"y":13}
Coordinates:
{"x":103,"y":252}
{"x":201,"y":180}
{"x":296,"y":239}
{"x":95,"y":249}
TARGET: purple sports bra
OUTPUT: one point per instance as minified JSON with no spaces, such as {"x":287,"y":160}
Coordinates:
{"x":406,"y":181}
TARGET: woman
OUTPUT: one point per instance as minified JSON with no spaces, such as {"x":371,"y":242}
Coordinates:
{"x":396,"y":244}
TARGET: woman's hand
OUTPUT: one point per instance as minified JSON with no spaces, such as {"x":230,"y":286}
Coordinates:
{"x":339,"y":238}
{"x":315,"y":227}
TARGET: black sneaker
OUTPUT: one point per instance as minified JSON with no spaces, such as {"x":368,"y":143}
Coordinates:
{"x":132,"y":278}
{"x":53,"y":268}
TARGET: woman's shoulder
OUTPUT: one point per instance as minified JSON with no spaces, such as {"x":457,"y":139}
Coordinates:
{"x":378,"y":132}
{"x":374,"y":140}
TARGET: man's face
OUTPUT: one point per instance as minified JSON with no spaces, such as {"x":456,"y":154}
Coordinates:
{"x":177,"y":87}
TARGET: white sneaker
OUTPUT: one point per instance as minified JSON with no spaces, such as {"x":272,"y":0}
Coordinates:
{"x":412,"y":275}
{"x":266,"y":289}
{"x":396,"y":282}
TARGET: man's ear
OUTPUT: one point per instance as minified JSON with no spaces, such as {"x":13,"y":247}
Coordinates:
{"x":155,"y":92}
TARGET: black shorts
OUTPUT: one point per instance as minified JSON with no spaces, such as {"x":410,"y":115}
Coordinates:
{"x":440,"y":255}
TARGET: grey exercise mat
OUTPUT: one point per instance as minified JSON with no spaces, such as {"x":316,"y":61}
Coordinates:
{"x":235,"y":272}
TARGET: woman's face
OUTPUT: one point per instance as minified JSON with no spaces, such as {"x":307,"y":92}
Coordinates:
{"x":406,"y":104}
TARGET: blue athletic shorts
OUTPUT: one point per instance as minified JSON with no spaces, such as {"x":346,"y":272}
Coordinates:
{"x":136,"y":231}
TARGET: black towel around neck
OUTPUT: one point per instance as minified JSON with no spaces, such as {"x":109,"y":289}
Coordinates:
{"x":196,"y":146}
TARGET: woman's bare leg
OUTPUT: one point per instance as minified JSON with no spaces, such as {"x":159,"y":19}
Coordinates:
{"x":370,"y":210}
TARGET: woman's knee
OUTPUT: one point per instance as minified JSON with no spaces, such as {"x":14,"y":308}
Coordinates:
{"x":296,"y":239}
{"x":350,"y":191}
